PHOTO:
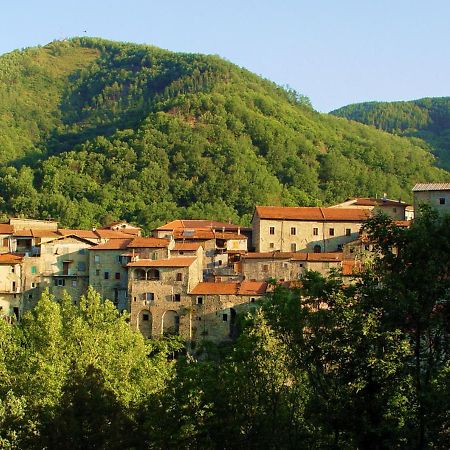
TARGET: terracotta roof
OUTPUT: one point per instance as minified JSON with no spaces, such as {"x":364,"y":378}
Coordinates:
{"x":86,"y":234}
{"x":193,"y":234}
{"x":268,"y":255}
{"x":23,"y":233}
{"x":148,"y":242}
{"x":8,"y":258}
{"x":228,"y":235}
{"x":231,"y":288}
{"x":197,"y":223}
{"x":312,"y":213}
{"x":403,"y":223}
{"x":297,"y":256}
{"x":378,"y":202}
{"x":187,"y":246}
{"x":431,"y":187}
{"x":318,"y":257}
{"x":172,"y":262}
{"x":111,"y":234}
{"x":5,"y":228}
{"x":113,"y":244}
{"x":351,"y":267}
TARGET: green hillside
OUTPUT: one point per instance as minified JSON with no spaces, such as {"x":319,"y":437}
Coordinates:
{"x":427,"y":119}
{"x":93,"y":130}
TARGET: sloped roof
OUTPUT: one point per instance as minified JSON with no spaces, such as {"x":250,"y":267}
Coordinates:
{"x":148,"y":242}
{"x":113,"y":244}
{"x":296,"y":256}
{"x":268,"y":255}
{"x":431,"y":187}
{"x":9,"y":258}
{"x":231,"y":288}
{"x":312,"y":213}
{"x":187,"y":246}
{"x":5,"y":228}
{"x":86,"y":234}
{"x":172,"y":262}
{"x":197,"y":223}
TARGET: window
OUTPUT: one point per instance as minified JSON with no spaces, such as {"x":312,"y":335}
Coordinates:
{"x":59,"y":282}
{"x":348,"y":232}
{"x":225,"y":317}
{"x":177,"y":298}
{"x":271,"y":230}
{"x":5,"y":242}
{"x":331,"y":231}
{"x":145,"y":317}
{"x":117,"y":275}
{"x":97,"y":258}
{"x":30,"y":296}
{"x":199,"y":300}
{"x":442,"y":201}
{"x":293,"y":231}
{"x":33,"y":285}
{"x":252,"y":300}
{"x":339,"y":247}
{"x":149,"y":296}
{"x":199,"y":318}
{"x":394,"y":210}
{"x":12,"y":269}
{"x":106,"y":275}
{"x":293,"y":247}
{"x":74,"y":283}
{"x":97,"y":272}
{"x":33,"y":269}
{"x":82,"y":251}
{"x":315,"y":231}
{"x":179,"y":276}
{"x":81,"y":266}
{"x":265,"y":267}
{"x":271,"y":245}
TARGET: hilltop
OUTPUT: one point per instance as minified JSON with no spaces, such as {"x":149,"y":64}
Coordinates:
{"x":427,"y":119}
{"x":93,"y":130}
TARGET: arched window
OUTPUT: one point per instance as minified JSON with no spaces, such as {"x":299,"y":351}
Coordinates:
{"x":145,"y":323}
{"x":153,"y":274}
{"x":171,"y":322}
{"x":317,"y":249}
{"x":139,"y":274}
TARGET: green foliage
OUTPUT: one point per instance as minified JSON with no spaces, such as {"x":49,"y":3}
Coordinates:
{"x":427,"y":119}
{"x":104,"y":129}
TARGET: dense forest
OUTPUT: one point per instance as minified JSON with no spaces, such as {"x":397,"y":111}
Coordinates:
{"x":93,"y":130}
{"x":427,"y":119}
{"x":325,"y":366}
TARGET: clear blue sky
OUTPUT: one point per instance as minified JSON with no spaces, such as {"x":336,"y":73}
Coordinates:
{"x":334,"y":51}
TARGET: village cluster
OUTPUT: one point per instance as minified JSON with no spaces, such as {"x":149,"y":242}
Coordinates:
{"x":191,"y":277}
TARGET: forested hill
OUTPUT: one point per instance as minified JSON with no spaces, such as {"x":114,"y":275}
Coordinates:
{"x":93,"y":130}
{"x":427,"y":119}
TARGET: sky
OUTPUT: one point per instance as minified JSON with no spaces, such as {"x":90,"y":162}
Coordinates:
{"x":336,"y":52}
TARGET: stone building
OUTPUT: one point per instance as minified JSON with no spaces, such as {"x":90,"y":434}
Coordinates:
{"x":216,"y":305}
{"x":11,"y":284}
{"x":436,"y":195}
{"x":305,"y":229}
{"x":396,"y":209}
{"x":285,"y":266}
{"x":158,"y":294}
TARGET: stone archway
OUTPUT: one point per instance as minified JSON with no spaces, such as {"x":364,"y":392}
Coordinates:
{"x":145,"y":323}
{"x":170,"y":322}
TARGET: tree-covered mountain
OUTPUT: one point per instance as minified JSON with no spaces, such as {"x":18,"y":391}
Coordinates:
{"x":427,"y":119}
{"x":93,"y":130}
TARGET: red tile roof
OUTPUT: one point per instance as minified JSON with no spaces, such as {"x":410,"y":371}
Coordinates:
{"x":113,"y":244}
{"x":148,"y":242}
{"x":231,"y":288}
{"x":311,"y":213}
{"x":351,"y":267}
{"x":197,"y":223}
{"x":8,"y":258}
{"x":172,"y":262}
{"x":297,"y":256}
{"x":5,"y":228}
{"x":187,"y":246}
{"x":112,"y":234}
{"x":86,"y":234}
{"x":193,"y":234}
{"x":403,"y":223}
